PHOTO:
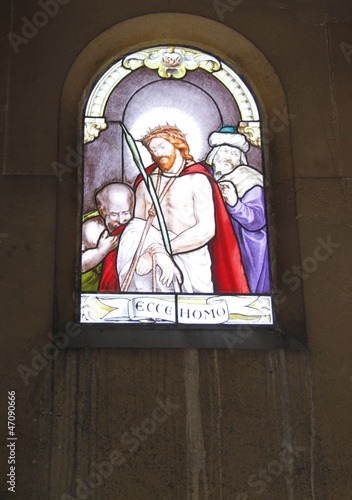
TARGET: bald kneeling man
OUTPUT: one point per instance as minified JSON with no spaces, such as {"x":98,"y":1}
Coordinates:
{"x":101,"y":231}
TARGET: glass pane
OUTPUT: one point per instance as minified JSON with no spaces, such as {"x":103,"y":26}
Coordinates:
{"x":174,"y":222}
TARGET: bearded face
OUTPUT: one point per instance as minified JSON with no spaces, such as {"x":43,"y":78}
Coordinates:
{"x":226,"y":160}
{"x":163,"y":152}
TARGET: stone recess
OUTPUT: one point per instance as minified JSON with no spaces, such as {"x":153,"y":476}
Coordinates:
{"x":238,"y":424}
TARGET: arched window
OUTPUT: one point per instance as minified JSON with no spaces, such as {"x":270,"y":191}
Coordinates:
{"x":186,"y":219}
{"x":174,"y":224}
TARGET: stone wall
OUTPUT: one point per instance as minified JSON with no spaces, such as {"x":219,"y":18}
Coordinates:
{"x":156,"y":424}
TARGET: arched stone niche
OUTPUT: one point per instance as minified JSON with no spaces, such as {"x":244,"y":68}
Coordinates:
{"x":256,"y":71}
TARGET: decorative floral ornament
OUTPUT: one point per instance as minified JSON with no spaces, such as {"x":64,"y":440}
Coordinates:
{"x":92,"y":128}
{"x":172,"y":62}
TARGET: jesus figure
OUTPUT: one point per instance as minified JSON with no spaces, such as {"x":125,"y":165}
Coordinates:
{"x":205,"y":257}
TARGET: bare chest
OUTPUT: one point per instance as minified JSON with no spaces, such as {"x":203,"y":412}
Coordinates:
{"x":176,"y":199}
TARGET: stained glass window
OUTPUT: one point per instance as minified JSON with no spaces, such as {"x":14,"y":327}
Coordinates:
{"x":174,"y":225}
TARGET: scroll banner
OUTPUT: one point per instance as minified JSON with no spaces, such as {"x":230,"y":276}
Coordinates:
{"x":151,"y":309}
{"x":214,"y":312}
{"x":182,"y":309}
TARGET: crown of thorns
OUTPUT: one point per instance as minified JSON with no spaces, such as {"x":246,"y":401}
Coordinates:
{"x":164,"y":131}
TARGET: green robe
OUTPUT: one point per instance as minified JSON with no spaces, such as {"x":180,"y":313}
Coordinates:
{"x":90,"y":280}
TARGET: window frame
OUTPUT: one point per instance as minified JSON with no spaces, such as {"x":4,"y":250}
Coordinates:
{"x":289,"y":328}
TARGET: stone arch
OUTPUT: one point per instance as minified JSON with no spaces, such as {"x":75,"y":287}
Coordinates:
{"x":251,"y":66}
{"x":255,"y":70}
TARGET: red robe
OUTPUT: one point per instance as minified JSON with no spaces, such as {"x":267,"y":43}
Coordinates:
{"x":109,"y":281}
{"x":227,"y":268}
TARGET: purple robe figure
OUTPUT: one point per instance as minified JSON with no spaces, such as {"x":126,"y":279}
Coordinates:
{"x":242,"y":190}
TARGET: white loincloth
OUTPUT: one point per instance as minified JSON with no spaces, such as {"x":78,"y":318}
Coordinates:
{"x":195,"y":266}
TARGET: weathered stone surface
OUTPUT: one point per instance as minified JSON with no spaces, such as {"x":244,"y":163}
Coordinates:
{"x":27,"y":249}
{"x":325,"y":210}
{"x":232,"y":414}
{"x":340,"y":49}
